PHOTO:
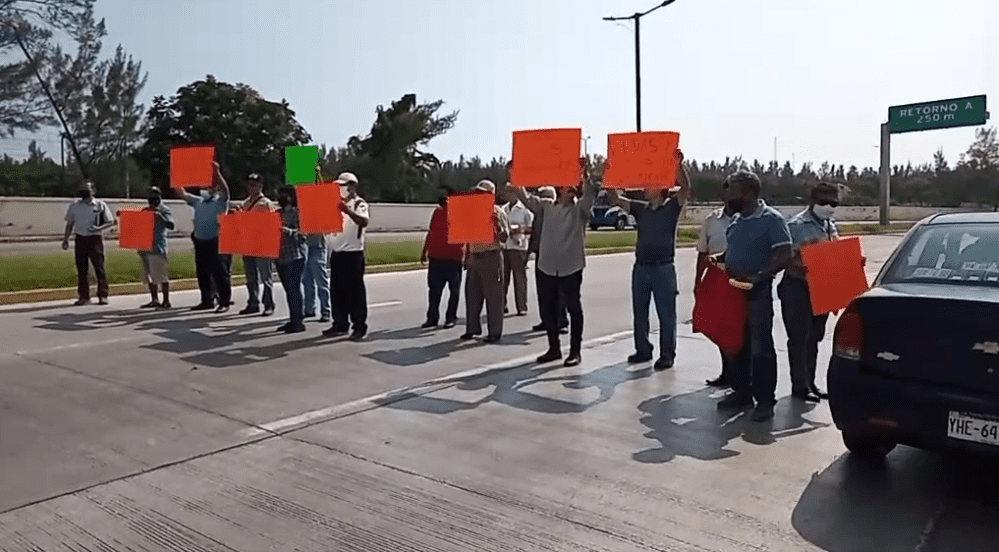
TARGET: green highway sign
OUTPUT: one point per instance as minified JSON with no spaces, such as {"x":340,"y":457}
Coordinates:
{"x":968,"y":111}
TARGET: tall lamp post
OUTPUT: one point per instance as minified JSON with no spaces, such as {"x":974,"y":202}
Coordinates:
{"x":638,"y":70}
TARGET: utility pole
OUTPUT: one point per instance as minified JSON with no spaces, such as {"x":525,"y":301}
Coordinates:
{"x":637,"y":17}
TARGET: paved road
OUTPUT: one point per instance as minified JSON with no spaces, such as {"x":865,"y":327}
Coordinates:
{"x":122,"y":429}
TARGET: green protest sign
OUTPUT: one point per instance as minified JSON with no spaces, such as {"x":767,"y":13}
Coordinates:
{"x":300,"y":164}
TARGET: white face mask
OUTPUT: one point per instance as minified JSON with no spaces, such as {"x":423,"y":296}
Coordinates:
{"x":344,"y":192}
{"x":824,"y":212}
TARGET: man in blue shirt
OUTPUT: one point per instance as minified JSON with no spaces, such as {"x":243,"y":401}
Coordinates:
{"x":759,"y":246}
{"x":155,"y":269}
{"x":209,"y":265}
{"x":804,"y":329}
{"x":654,"y":274}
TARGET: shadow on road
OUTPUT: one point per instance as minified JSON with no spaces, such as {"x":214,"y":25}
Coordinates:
{"x":690,"y":425}
{"x":413,"y":356}
{"x":914,"y":500}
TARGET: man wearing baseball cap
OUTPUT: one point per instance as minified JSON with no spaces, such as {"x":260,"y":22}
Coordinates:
{"x":349,"y":296}
{"x":485,"y":276}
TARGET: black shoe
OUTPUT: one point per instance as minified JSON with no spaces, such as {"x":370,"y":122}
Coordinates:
{"x":268,"y":311}
{"x":637,"y":358}
{"x":538,"y":328}
{"x":763,"y":412}
{"x":736,"y":401}
{"x":222,"y":309}
{"x":804,"y":395}
{"x":164,"y":305}
{"x":522,"y":313}
{"x":720,"y":381}
{"x":335,"y":332}
{"x":449,"y":325}
{"x":564,"y":330}
{"x":356,"y":336}
{"x":295,"y":329}
{"x":506,"y":310}
{"x":310,"y":315}
{"x":250,"y":310}
{"x":491,"y":339}
{"x":663,"y":364}
{"x":150,"y":305}
{"x":429,"y":324}
{"x":573,"y":359}
{"x":284,"y":327}
{"x":203,"y":307}
{"x":468,"y":336}
{"x":551,"y":356}
{"x":818,"y":392}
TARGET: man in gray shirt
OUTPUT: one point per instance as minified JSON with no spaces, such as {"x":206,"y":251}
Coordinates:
{"x":88,"y":218}
{"x":561,"y":258}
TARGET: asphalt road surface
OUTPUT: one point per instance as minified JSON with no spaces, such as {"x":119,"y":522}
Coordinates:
{"x":124,"y":429}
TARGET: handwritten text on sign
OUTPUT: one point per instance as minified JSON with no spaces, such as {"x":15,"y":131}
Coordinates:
{"x":546,"y":157}
{"x":641,"y":160}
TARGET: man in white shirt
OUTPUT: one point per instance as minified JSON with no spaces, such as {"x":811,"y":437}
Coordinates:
{"x":88,"y":218}
{"x":515,"y":253}
{"x":349,"y":296}
{"x":710,"y":243}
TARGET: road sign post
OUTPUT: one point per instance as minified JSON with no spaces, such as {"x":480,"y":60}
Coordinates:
{"x":956,"y":112}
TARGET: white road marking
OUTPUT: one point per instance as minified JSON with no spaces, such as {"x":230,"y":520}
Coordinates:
{"x":78,"y":345}
{"x":384,"y":304}
{"x":374,"y":401}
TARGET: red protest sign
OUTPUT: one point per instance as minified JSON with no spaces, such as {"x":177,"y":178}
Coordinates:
{"x":546,"y":157}
{"x":230,"y":234}
{"x":191,"y":166}
{"x":251,"y":234}
{"x":136,"y":229}
{"x":319,"y":208}
{"x":835,"y":273}
{"x":470,"y":218}
{"x":641,"y":160}
{"x":721,"y":311}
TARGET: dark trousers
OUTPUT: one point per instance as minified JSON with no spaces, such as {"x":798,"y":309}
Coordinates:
{"x":563,"y":312}
{"x":350,"y":298}
{"x":569,"y":286}
{"x":290,"y":274}
{"x":212,"y":270}
{"x":804,"y":331}
{"x":484,"y":285}
{"x":515,"y":270}
{"x":441,"y":273}
{"x":90,"y":250}
{"x":755,"y":368}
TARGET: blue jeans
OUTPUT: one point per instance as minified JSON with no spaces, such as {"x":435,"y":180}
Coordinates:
{"x":291,"y":280}
{"x":317,"y":282}
{"x":657,"y":281}
{"x":755,"y":369}
{"x":258,"y":271}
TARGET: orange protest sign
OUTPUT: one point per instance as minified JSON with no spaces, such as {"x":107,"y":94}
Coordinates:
{"x":835,"y":273}
{"x":136,"y":229}
{"x":470,"y":218}
{"x":641,"y":160}
{"x":191,"y":166}
{"x":319,"y":208}
{"x":261,"y":234}
{"x":546,"y":157}
{"x":230,"y":234}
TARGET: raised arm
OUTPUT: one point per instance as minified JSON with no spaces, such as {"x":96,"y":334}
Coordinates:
{"x":223,"y":185}
{"x":615,"y":197}
{"x":529,"y":200}
{"x":682,"y":179}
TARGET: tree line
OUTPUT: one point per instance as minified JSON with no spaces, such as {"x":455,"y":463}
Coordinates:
{"x":125,"y":148}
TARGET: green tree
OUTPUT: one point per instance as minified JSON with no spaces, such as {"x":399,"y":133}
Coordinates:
{"x":23,"y":105}
{"x":250,"y":132}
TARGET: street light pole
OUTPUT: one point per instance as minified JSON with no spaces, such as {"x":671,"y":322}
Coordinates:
{"x":638,"y":57}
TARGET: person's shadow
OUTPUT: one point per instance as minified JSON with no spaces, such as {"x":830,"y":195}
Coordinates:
{"x":690,"y":424}
{"x":413,"y":356}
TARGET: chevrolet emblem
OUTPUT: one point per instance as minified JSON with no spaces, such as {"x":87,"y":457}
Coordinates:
{"x":987,"y":347}
{"x":889,"y":356}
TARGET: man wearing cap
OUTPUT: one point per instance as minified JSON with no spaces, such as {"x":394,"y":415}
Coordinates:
{"x":209,"y":264}
{"x":88,"y":218}
{"x":562,"y":259}
{"x":484,"y":282}
{"x":155,"y":269}
{"x":654,"y":275}
{"x":804,"y":329}
{"x":444,"y":268}
{"x":259,"y":270}
{"x":759,"y":247}
{"x":545,"y":193}
{"x":349,"y":301}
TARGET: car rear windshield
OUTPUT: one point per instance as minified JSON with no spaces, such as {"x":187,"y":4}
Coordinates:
{"x":949,"y":253}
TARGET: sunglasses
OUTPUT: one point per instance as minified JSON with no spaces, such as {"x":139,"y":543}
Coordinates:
{"x":832,"y":203}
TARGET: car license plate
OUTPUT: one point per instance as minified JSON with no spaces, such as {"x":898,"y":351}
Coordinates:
{"x":973,"y":427}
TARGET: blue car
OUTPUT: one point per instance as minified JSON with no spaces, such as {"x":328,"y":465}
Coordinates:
{"x":916,"y":358}
{"x":604,"y":214}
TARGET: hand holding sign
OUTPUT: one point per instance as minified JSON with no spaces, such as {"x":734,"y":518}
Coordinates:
{"x":835,"y":273}
{"x":642,"y":160}
{"x":192,"y":166}
{"x":548,"y":157}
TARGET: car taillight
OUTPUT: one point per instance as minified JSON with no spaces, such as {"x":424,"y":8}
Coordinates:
{"x":848,"y":342}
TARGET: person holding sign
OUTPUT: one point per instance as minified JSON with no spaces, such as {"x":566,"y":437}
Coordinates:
{"x":759,"y":247}
{"x":485,"y":276}
{"x":291,"y":263}
{"x":349,"y":301}
{"x":545,"y":193}
{"x":209,"y":264}
{"x":88,"y":218}
{"x":444,"y":268}
{"x":155,"y":268}
{"x":711,"y":243}
{"x":804,"y":329}
{"x":654,"y":274}
{"x":561,"y":259}
{"x":259,"y":270}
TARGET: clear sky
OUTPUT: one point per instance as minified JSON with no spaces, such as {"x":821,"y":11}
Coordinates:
{"x":729,"y":75}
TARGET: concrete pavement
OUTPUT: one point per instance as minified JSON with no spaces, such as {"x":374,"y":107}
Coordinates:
{"x":127,"y":429}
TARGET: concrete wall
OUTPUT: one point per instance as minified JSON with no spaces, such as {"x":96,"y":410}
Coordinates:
{"x":27,"y":217}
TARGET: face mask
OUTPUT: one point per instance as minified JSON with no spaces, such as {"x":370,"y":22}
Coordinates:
{"x":206,"y":194}
{"x":344,"y":192}
{"x":824,"y":212}
{"x":283,"y":201}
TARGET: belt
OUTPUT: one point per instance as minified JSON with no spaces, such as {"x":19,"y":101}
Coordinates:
{"x":484,"y":253}
{"x":653,"y":263}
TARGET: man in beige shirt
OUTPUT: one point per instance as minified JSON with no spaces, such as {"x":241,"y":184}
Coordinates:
{"x":485,"y":276}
